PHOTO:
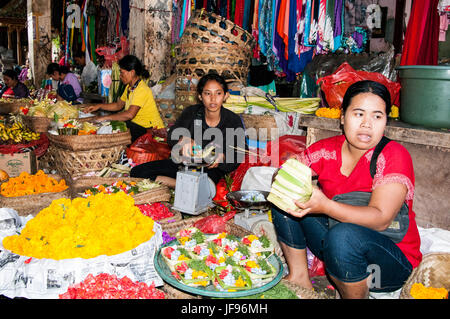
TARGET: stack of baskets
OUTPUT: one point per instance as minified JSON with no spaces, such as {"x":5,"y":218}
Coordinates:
{"x":210,"y":44}
{"x":76,"y":155}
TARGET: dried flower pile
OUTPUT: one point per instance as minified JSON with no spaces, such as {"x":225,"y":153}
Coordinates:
{"x":26,"y":184}
{"x":83,"y":227}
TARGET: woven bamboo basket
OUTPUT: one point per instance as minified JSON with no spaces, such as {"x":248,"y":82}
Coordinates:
{"x":33,"y":204}
{"x":38,"y":124}
{"x":91,"y":141}
{"x":168,"y":110}
{"x":12,"y":107}
{"x":210,"y":44}
{"x":265,"y":126}
{"x":433,"y":271}
{"x":159,"y":194}
{"x":72,"y":164}
{"x":199,"y":59}
{"x":207,"y":27}
{"x":230,"y":227}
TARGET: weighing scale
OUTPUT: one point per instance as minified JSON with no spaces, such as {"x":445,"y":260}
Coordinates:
{"x":251,"y":211}
{"x":194,"y":190}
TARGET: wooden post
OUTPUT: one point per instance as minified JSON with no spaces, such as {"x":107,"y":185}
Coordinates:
{"x":39,"y":38}
{"x":19,"y":47}
{"x":150,"y":35}
{"x":10,"y":44}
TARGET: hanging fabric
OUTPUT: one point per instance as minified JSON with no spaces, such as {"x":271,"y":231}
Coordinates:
{"x":422,"y":35}
{"x":338,"y":23}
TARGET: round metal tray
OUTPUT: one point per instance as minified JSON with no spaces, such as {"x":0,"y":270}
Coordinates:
{"x":210,"y":291}
{"x":236,"y":200}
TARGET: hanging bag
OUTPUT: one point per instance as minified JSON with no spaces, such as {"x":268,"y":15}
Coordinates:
{"x":399,"y":226}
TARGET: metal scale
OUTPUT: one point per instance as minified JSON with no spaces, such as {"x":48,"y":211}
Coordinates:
{"x":194,"y":191}
{"x":250,"y":212}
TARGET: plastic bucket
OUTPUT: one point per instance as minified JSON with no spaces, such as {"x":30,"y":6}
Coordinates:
{"x":425,"y":95}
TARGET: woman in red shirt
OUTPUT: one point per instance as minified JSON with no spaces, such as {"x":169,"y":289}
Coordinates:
{"x":356,"y":255}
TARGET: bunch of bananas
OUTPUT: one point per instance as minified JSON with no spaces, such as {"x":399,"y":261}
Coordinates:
{"x":17,"y":133}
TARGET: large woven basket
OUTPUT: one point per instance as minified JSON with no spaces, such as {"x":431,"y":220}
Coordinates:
{"x":224,"y":59}
{"x":12,"y":107}
{"x":38,"y":124}
{"x":433,"y":271}
{"x":207,"y":27}
{"x":77,"y":163}
{"x":265,"y":126}
{"x":210,"y":44}
{"x":33,"y":204}
{"x":91,"y":141}
{"x":168,"y":110}
{"x":159,"y":194}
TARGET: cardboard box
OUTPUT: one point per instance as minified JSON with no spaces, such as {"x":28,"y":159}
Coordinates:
{"x":16,"y":163}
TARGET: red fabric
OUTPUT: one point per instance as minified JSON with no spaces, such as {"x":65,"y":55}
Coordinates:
{"x":394,"y":165}
{"x":239,"y":13}
{"x":422,"y":34}
{"x":9,"y":93}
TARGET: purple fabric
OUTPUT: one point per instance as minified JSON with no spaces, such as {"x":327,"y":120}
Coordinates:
{"x":72,"y":80}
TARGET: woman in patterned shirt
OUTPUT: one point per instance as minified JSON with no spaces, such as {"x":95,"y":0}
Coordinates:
{"x":357,"y":257}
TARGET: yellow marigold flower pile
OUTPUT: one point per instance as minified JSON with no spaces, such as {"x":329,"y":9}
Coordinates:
{"x":419,"y":291}
{"x":26,"y":184}
{"x":332,"y":113}
{"x":103,"y":224}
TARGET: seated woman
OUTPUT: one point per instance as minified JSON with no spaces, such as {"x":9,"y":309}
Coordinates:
{"x":69,"y":87}
{"x":13,"y":87}
{"x":350,"y":236}
{"x":137,"y":106}
{"x":200,"y":127}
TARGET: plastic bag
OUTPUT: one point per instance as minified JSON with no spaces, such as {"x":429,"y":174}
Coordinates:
{"x":146,"y":149}
{"x":285,"y":147}
{"x":335,"y":85}
{"x":214,"y":224}
{"x":316,"y":267}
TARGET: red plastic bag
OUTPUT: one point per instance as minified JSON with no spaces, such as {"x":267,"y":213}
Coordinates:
{"x":317,"y":268}
{"x":214,"y":224}
{"x":146,"y":149}
{"x":335,"y":85}
{"x":281,"y":149}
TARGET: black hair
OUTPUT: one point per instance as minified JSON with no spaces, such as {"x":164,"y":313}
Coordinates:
{"x":211,"y":77}
{"x":130,"y":62}
{"x":11,"y":74}
{"x":367,"y":86}
{"x":52,"y":67}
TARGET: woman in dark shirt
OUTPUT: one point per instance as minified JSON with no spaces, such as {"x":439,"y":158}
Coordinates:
{"x":200,"y":127}
{"x":11,"y":80}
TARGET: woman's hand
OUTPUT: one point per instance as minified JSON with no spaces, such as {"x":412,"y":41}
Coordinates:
{"x":91,"y":108}
{"x":186,"y":146}
{"x":220,"y":158}
{"x":316,"y":204}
